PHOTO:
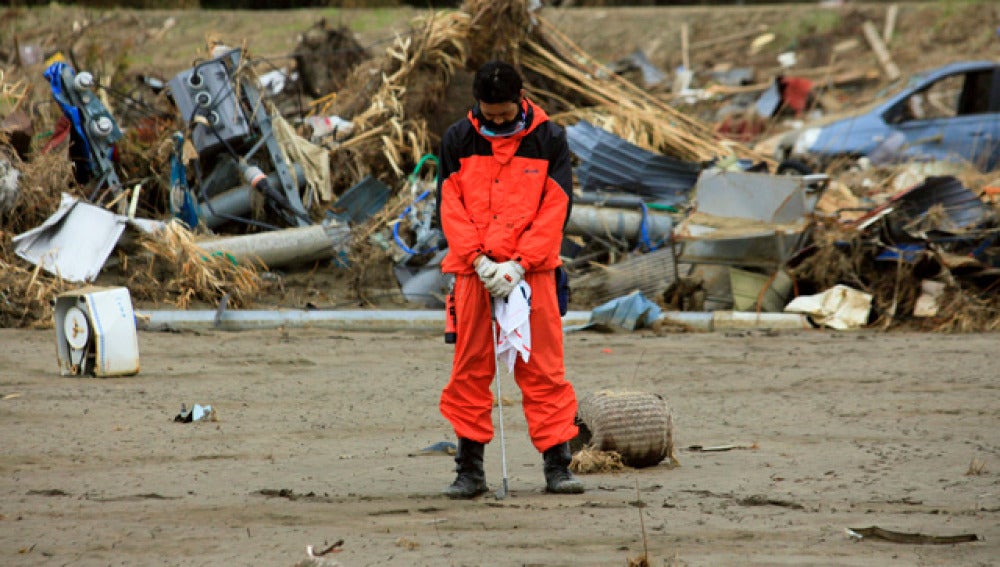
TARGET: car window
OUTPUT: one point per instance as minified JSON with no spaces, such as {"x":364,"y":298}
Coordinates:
{"x":975,"y":97}
{"x":939,"y":100}
{"x":955,"y":95}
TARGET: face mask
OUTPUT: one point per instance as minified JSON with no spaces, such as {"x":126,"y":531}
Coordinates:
{"x":502,"y":130}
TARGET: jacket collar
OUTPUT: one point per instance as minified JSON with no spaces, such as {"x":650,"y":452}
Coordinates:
{"x":505,"y":148}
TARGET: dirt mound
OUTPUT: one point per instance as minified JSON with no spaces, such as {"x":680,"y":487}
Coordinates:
{"x":326,"y":56}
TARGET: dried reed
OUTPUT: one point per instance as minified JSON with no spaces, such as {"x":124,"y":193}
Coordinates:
{"x":593,"y":461}
{"x":175,"y":269}
{"x":26,"y":296}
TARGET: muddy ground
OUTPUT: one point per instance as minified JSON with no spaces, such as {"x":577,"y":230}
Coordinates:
{"x":316,"y":429}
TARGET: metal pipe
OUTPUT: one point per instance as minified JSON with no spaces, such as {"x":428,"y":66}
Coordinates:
{"x":236,"y":202}
{"x":346,"y":320}
{"x":283,"y":247}
{"x":425,"y":320}
{"x":502,"y":492}
{"x":608,"y":200}
{"x":587,"y":220}
{"x":232,"y":203}
{"x":248,"y":319}
{"x":729,"y":320}
{"x":752,"y":320}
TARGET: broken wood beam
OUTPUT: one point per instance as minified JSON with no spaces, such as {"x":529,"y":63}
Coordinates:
{"x":685,"y":49}
{"x":829,"y":102}
{"x":881,"y":52}
{"x":890,"y":23}
{"x":728,"y":38}
{"x":822,"y":74}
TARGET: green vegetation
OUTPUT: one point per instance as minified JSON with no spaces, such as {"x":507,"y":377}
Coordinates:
{"x":371,"y":20}
{"x":814,"y":22}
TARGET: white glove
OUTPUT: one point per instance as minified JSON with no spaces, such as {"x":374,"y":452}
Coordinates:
{"x":486,"y":269}
{"x":506,"y":278}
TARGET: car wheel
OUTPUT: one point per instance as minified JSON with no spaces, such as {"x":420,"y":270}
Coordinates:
{"x":793,"y":167}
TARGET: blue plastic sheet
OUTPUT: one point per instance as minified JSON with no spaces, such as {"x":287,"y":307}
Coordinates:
{"x":54,"y":75}
{"x":629,"y":312}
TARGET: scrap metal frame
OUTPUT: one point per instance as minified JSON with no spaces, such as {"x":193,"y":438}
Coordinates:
{"x":260,"y":119}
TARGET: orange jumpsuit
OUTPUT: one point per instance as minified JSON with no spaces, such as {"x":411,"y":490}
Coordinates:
{"x":508,"y":198}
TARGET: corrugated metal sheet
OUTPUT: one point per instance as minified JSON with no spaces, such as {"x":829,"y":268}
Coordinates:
{"x":608,"y":162}
{"x":361,"y":201}
{"x":963,"y":207}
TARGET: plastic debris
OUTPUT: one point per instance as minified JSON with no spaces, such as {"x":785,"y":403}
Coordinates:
{"x":197,"y":412}
{"x":839,"y":307}
{"x":629,"y":312}
{"x":439,"y":449}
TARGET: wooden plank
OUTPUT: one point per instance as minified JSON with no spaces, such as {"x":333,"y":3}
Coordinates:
{"x":685,"y":49}
{"x":829,"y":102}
{"x":881,"y":52}
{"x":728,"y":38}
{"x":890,"y":23}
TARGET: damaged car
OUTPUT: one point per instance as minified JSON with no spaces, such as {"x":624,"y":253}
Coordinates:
{"x":949,"y":113}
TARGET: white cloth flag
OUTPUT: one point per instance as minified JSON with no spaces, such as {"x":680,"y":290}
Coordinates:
{"x":512,"y":315}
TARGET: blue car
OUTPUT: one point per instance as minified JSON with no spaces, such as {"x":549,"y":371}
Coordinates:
{"x":949,"y":113}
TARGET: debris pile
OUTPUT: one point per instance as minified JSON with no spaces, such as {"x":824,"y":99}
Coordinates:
{"x":702,"y":189}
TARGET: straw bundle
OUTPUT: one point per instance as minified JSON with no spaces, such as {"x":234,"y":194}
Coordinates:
{"x":13,"y":94}
{"x":830,"y":264}
{"x":568,"y":80}
{"x":591,"y":461}
{"x":26,"y":296}
{"x":388,"y":100}
{"x":962,"y":311}
{"x":177,"y":270}
{"x":43,"y":180}
{"x":496,"y":30}
{"x":408,"y":84}
{"x":578,"y":77}
{"x":368,"y":257}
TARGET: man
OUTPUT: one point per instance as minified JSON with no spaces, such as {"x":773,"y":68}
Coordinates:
{"x":504,"y":189}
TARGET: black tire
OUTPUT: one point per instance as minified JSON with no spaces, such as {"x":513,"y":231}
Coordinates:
{"x":793,"y":167}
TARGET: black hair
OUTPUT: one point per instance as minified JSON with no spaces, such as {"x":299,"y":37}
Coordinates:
{"x":497,"y":81}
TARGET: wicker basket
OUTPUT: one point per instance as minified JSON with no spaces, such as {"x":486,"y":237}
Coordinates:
{"x":636,"y":425}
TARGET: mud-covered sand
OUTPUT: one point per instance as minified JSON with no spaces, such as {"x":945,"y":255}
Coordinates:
{"x":316,"y":429}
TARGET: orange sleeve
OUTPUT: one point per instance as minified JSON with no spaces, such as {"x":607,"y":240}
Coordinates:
{"x":539,"y":245}
{"x":459,"y":229}
{"x":541,"y":241}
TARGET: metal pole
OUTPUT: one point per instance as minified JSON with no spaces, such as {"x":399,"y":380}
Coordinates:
{"x":236,"y":202}
{"x":502,"y":493}
{"x":587,"y":220}
{"x":284,"y":247}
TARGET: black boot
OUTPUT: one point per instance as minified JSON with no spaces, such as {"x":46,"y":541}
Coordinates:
{"x":558,"y":479}
{"x":471,"y":480}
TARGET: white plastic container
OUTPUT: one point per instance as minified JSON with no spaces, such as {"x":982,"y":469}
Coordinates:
{"x":95,"y":332}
